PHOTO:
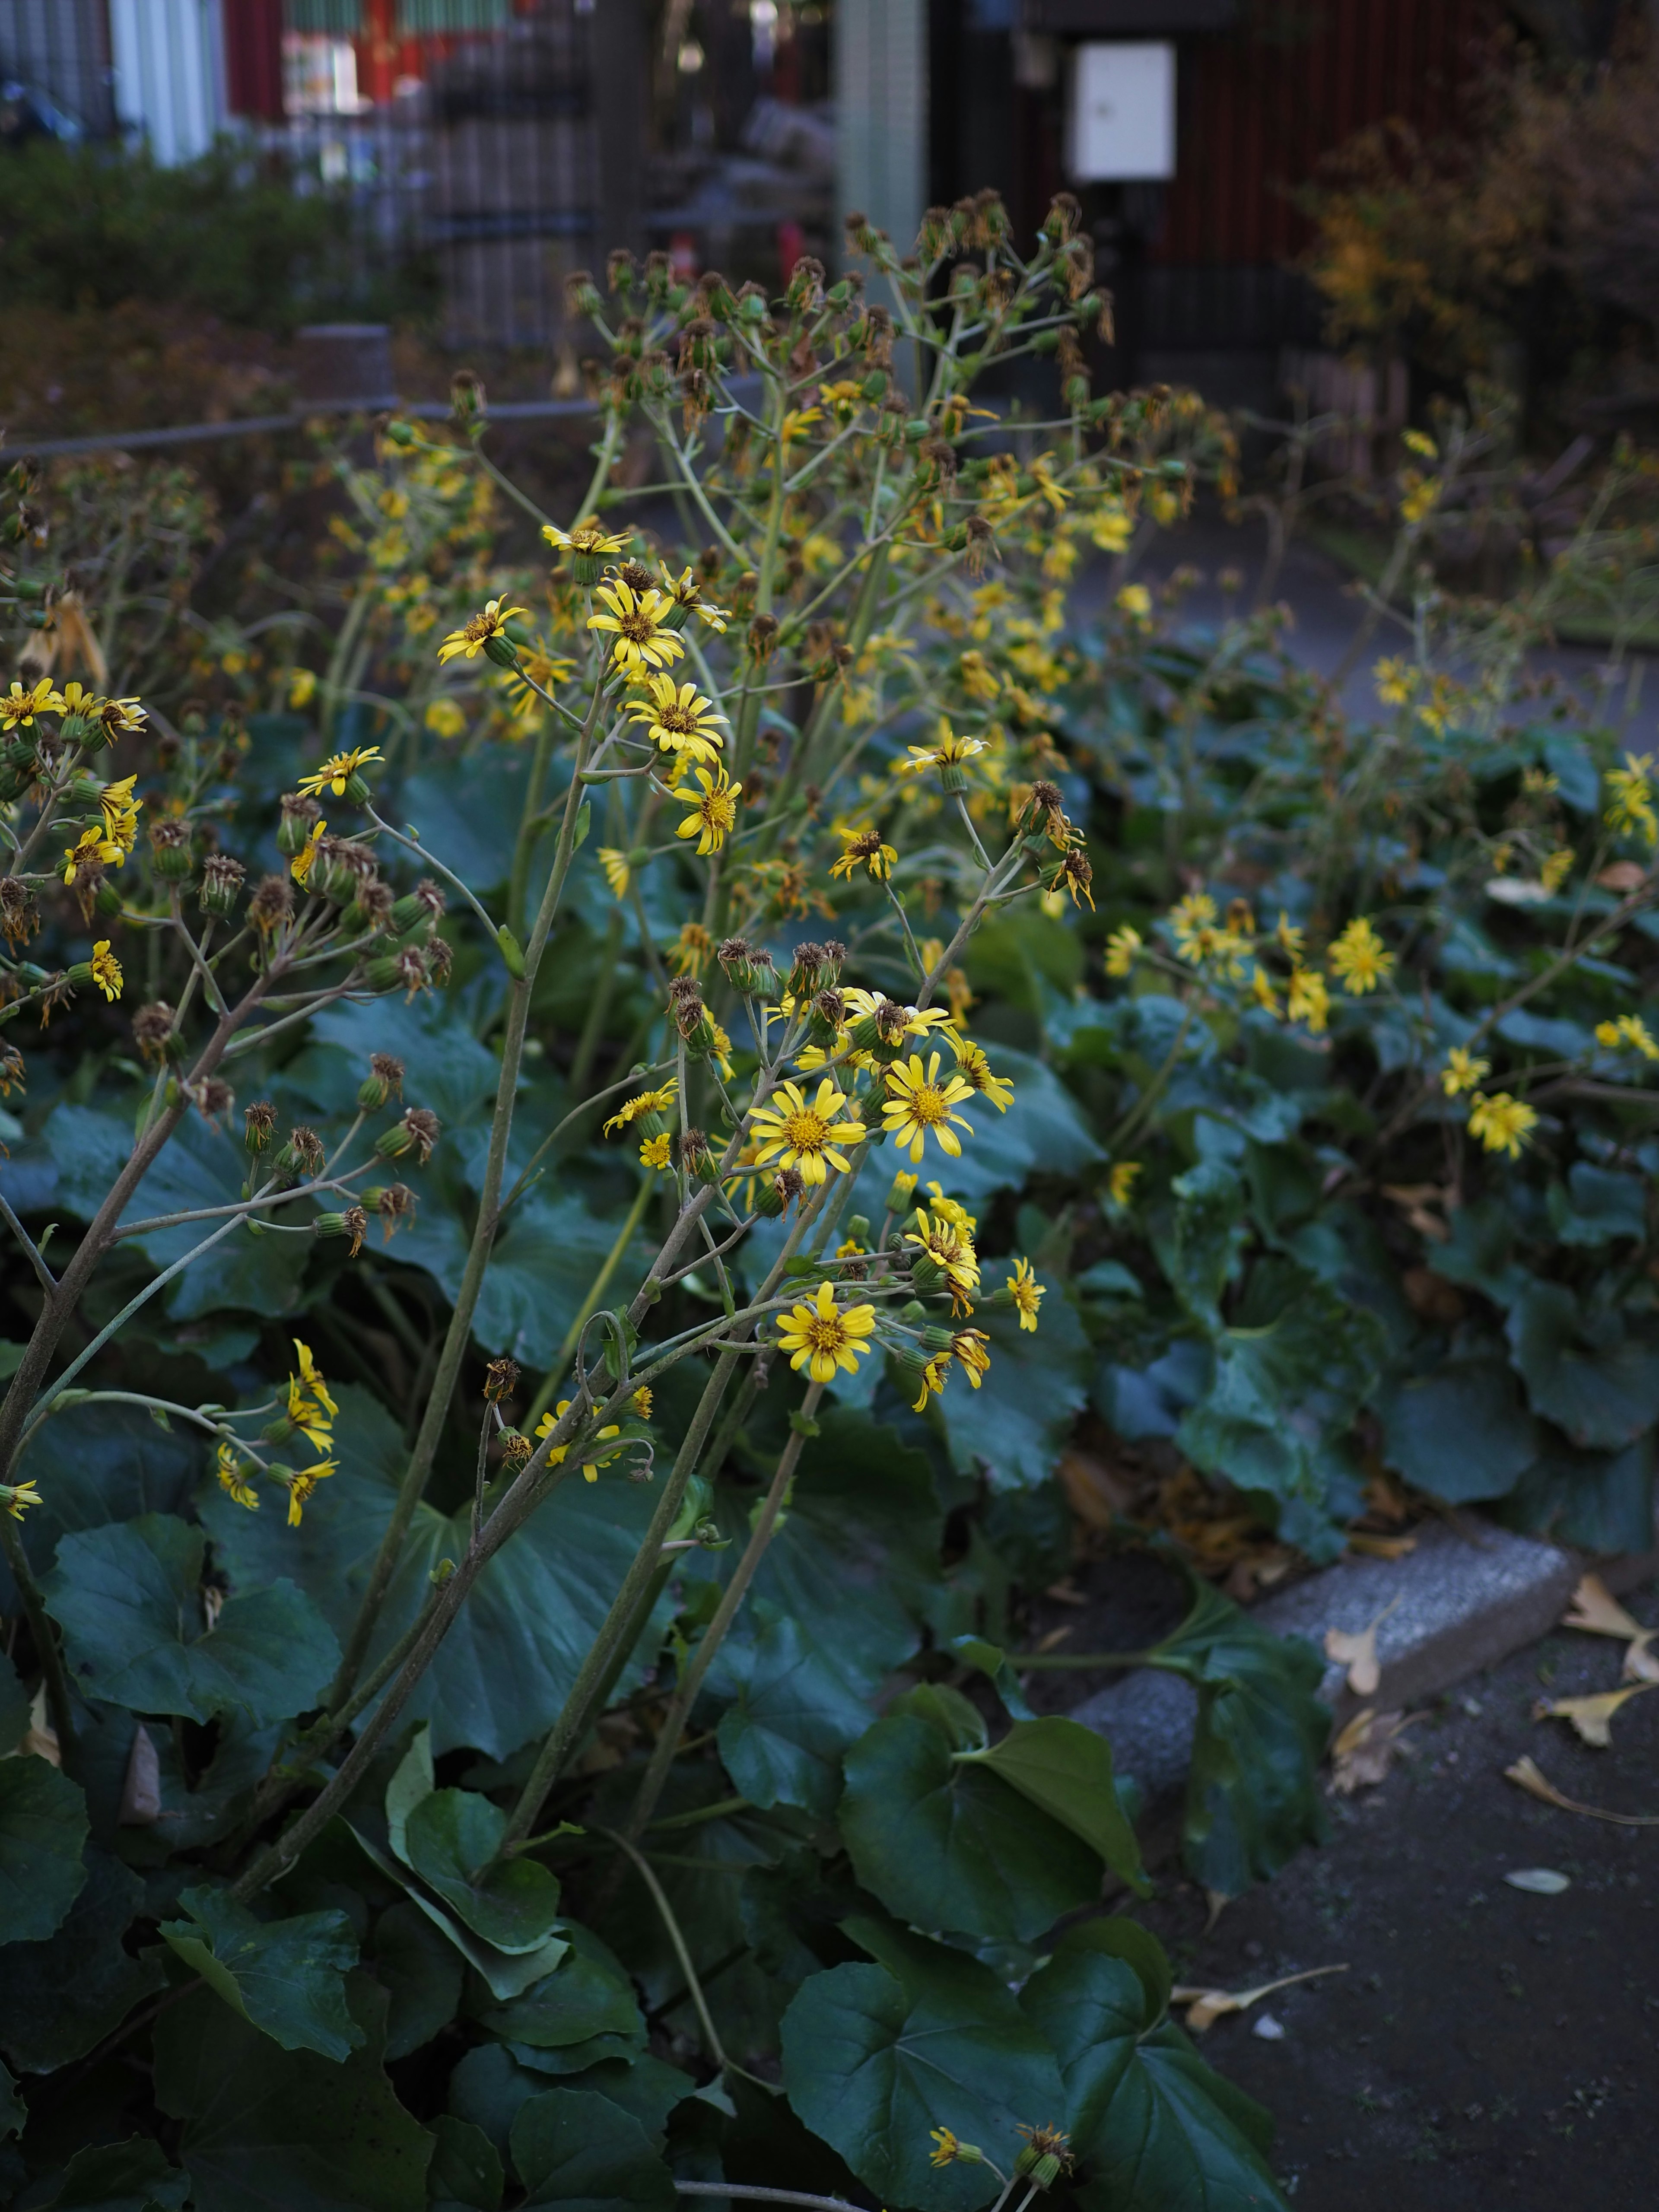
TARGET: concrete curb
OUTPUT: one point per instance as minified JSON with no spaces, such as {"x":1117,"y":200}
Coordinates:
{"x":1468,"y":1596}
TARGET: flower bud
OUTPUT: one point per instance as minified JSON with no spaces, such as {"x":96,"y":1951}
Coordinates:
{"x":107,"y":899}
{"x":826,"y":1017}
{"x":903,"y":1190}
{"x":748,"y":968}
{"x":258,"y":1120}
{"x":501,"y":650}
{"x":222,"y":878}
{"x":776,"y":1191}
{"x":467,"y":403}
{"x":170,"y":849}
{"x":424,"y":905}
{"x":299,"y":816}
{"x":385,"y":1075}
{"x":417,"y":1132}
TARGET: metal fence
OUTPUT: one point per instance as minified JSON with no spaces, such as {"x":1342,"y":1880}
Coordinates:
{"x":60,"y":49}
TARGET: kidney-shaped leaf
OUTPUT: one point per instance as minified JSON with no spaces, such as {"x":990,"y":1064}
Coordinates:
{"x":581,"y":2151}
{"x":287,"y":1977}
{"x":43,"y":1832}
{"x":947,"y":1845}
{"x":872,"y":2064}
{"x":128,"y":1598}
{"x":1067,"y":1770}
{"x":450,"y":1839}
{"x":60,"y":1997}
{"x":782,"y":1738}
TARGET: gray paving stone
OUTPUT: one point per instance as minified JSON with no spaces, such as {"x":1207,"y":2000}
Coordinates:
{"x":1467,"y":1596}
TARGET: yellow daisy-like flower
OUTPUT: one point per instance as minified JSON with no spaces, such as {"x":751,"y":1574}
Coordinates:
{"x":444,"y":718}
{"x":337,"y":770}
{"x":538,"y":671}
{"x":1123,"y":947}
{"x":656,"y":1152}
{"x":1555,"y":869}
{"x":930,"y":1383}
{"x":306,"y":1416}
{"x":18,"y":1497}
{"x":312,"y":1376}
{"x":678,"y":718}
{"x":91,"y":845}
{"x":617,"y":873}
{"x":1026,"y":1293}
{"x":299,"y":867}
{"x":948,"y":2149}
{"x":1503,"y":1123}
{"x":19,"y":706}
{"x":661,"y":1101}
{"x":560,"y":1453}
{"x":969,"y":1345}
{"x":1308,"y":999}
{"x":947,"y":752}
{"x":976,"y":1071}
{"x":686,"y":591}
{"x":107,"y":970}
{"x":302,"y":1485}
{"x":479,"y":634}
{"x":642,"y":1401}
{"x":588,"y":539}
{"x":1120,"y":1182}
{"x":1189,"y":918}
{"x":713,"y":815}
{"x":1628,"y":1030}
{"x":949,"y":1209}
{"x":1361,"y":959}
{"x":1263,"y":991}
{"x":792,"y":1133}
{"x":1288,"y":938}
{"x":236,"y":1477}
{"x":1135,"y":601}
{"x":825,"y":1339}
{"x":1630,"y":789}
{"x":636,"y":620}
{"x":863,"y":848}
{"x":945,"y":1255}
{"x":1463,"y":1070}
{"x":692,"y":949}
{"x":919,"y":1103}
{"x":1396,"y":682}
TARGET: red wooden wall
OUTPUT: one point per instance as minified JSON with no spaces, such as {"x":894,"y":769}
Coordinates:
{"x":1259,"y":110}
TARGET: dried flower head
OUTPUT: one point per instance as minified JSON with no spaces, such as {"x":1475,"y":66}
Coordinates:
{"x":152,"y":1029}
{"x":500,"y":1379}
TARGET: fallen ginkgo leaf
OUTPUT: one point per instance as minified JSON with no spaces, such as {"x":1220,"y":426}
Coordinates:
{"x":1591,"y":1717}
{"x":1531,"y":1779}
{"x":1208,"y":2006}
{"x":1541,"y":1881}
{"x":1367,"y":1748}
{"x":1596,"y":1611}
{"x":1356,"y":1650}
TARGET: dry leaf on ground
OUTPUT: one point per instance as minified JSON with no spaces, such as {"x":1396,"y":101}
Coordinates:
{"x":1357,"y":1651}
{"x":1596,"y":1611}
{"x":40,"y":1738}
{"x":1591,"y":1717}
{"x":1373,"y":1547}
{"x":1205,"y":2007}
{"x":1367,"y":1748}
{"x":1536,"y":1784}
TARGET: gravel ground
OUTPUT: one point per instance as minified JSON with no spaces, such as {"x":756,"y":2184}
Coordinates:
{"x":1486,"y":2045}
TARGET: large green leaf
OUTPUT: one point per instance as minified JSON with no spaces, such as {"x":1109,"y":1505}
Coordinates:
{"x":1045,"y":1128}
{"x":466,"y":2167}
{"x":450,"y":1840}
{"x":134,"y":2176}
{"x":947,"y":1845}
{"x":61,"y":1996}
{"x":1253,"y":1795}
{"x":581,"y":2151}
{"x":265,"y":2128}
{"x":128,"y":1598}
{"x":445,"y":1067}
{"x":872,"y":2064}
{"x":1066,"y":1770}
{"x":1601,"y":1501}
{"x":43,"y":1832}
{"x":98,"y":1463}
{"x":287,"y":1977}
{"x":792,"y":1716}
{"x":505,"y":1975}
{"x":1461,"y":1432}
{"x":588,"y":1994}
{"x":1151,"y":2126}
{"x":1199,"y":1242}
{"x":1015,"y":1426}
{"x":421,"y":1974}
{"x":1603,"y":1397}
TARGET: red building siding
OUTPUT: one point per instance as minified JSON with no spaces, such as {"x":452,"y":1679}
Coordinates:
{"x":253,"y":58}
{"x":1260,"y":109}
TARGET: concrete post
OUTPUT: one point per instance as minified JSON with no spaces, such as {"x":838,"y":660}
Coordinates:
{"x":881,"y":114}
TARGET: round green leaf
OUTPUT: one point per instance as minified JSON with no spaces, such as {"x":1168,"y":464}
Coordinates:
{"x":287,"y":1977}
{"x":452,"y":1839}
{"x":61,"y":1997}
{"x":586,"y":2154}
{"x":43,"y":1832}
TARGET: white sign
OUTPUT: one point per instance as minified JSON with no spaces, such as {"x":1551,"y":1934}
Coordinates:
{"x":1122,"y":124}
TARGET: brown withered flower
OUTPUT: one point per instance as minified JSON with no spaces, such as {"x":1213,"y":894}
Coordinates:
{"x":356,"y":1225}
{"x":271,"y":904}
{"x":152,"y":1030}
{"x":394,"y":1204}
{"x":19,"y":918}
{"x":258,"y":1122}
{"x":500,"y":1379}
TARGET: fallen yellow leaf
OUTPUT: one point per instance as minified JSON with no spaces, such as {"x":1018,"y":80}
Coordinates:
{"x":1596,"y":1611}
{"x":1380,"y":1547}
{"x":1357,"y":1651}
{"x":1528,"y":1774}
{"x":1208,"y":2006}
{"x":1367,"y":1748}
{"x":1591,"y":1717}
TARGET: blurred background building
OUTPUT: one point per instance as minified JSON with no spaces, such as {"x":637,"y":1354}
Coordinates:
{"x":510,"y":140}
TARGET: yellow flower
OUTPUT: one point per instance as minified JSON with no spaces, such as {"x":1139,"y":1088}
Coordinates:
{"x":794,"y":1134}
{"x":713,"y":814}
{"x":1556,"y":868}
{"x":479,"y":634}
{"x":979,"y":680}
{"x":1121,"y":1182}
{"x":1420,"y":494}
{"x":444,"y":718}
{"x":1631,"y":791}
{"x":637,"y":622}
{"x":18,"y":707}
{"x":1026,"y":1293}
{"x":588,"y":539}
{"x":642,"y":1401}
{"x":1188,"y":917}
{"x":656,"y":1152}
{"x":686,"y":591}
{"x":299,"y":867}
{"x":945,"y":1254}
{"x":19,"y":1496}
{"x":1361,"y":959}
{"x":1112,"y":528}
{"x":692,"y":949}
{"x":975,"y":1072}
{"x":538,"y":671}
{"x":648,"y":1102}
{"x":107,"y":970}
{"x":1261,"y":988}
{"x":617,"y":872}
{"x":947,"y":752}
{"x":918,"y":1102}
{"x":90,"y":846}
{"x":863,"y":848}
{"x":311,"y":1376}
{"x":969,"y":1345}
{"x":1288,"y":936}
{"x":1121,"y":949}
{"x":1628,"y":1030}
{"x":949,"y":1209}
{"x":678,"y":719}
{"x":302,"y":686}
{"x":1462,"y":1072}
{"x":560,"y":1453}
{"x":337,"y":770}
{"x":948,"y":2149}
{"x":1396,"y":681}
{"x":236,"y":1477}
{"x":1135,"y":601}
{"x":1419,"y":443}
{"x":824,"y":1339}
{"x":930,"y":1384}
{"x":1501,"y":1122}
{"x":302,"y":1485}
{"x":1309,"y":1000}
